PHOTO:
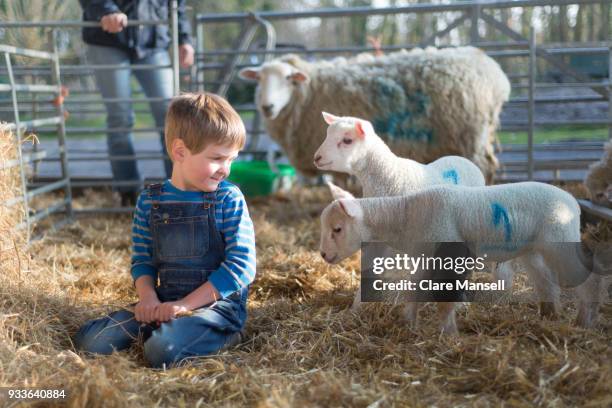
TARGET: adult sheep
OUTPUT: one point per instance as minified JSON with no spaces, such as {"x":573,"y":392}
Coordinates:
{"x":424,"y":103}
{"x":599,"y":178}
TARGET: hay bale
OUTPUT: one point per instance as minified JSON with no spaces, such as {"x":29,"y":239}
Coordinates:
{"x":12,"y":242}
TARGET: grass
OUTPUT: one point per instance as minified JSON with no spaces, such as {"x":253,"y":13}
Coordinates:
{"x":555,"y":134}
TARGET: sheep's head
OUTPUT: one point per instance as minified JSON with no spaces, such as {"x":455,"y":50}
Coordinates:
{"x":345,"y":143}
{"x":276,"y":81}
{"x":340,"y":234}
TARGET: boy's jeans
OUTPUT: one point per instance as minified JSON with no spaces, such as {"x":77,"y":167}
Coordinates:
{"x":115,"y":84}
{"x":203,"y":333}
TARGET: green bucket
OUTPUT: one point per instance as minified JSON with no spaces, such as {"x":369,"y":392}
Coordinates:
{"x":256,"y":178}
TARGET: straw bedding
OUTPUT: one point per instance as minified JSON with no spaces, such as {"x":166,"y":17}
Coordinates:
{"x":303,"y":346}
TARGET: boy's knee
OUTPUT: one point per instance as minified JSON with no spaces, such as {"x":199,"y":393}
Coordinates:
{"x":107,"y":334}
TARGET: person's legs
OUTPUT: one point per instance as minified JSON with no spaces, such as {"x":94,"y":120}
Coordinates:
{"x":115,"y":83}
{"x":204,"y":333}
{"x":117,"y":331}
{"x":157,"y":83}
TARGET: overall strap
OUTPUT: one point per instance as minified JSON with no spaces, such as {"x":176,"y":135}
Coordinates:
{"x":154,"y":193}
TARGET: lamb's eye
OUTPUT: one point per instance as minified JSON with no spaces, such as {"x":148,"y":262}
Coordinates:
{"x":337,"y":230}
{"x":347,"y":141}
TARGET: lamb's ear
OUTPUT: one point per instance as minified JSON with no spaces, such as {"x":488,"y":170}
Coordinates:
{"x":337,"y":192}
{"x":350,"y":207}
{"x":363,"y":127}
{"x":329,"y":118}
{"x":249,"y":74}
{"x":298,"y":76}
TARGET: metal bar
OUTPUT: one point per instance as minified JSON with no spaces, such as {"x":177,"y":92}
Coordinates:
{"x":356,"y":11}
{"x":564,"y":85}
{"x":9,"y":69}
{"x":85,"y":130}
{"x":583,"y":122}
{"x":541,"y":52}
{"x":27,"y":124}
{"x":518,"y":44}
{"x":38,"y":191}
{"x":45,"y":213}
{"x":73,"y":23}
{"x":111,"y":158}
{"x":27,"y":158}
{"x":176,"y":85}
{"x":610,"y":92}
{"x":454,"y":24}
{"x":558,"y":99}
{"x":28,"y":88}
{"x":61,"y":126}
{"x":114,"y":67}
{"x":227,"y":71}
{"x":474,"y":17}
{"x":531,"y":102}
{"x":199,"y":51}
{"x":25,"y":52}
{"x":602,"y":212}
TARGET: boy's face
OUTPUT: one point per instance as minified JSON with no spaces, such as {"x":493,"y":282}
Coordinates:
{"x":205,"y":170}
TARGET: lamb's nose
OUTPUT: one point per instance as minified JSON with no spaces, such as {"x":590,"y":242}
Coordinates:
{"x":267,"y":108}
{"x":323,"y":254}
{"x":317,"y":158}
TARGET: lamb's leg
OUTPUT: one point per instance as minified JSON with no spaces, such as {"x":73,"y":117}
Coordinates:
{"x":544,"y":283}
{"x":589,"y":294}
{"x":356,"y":301}
{"x":446,"y":312}
{"x":411,"y":311}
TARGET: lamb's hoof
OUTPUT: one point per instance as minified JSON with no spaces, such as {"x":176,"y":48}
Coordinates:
{"x":449,"y":331}
{"x":548,"y":310}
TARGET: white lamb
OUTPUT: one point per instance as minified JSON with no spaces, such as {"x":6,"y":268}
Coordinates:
{"x":534,"y":221}
{"x":352,"y":146}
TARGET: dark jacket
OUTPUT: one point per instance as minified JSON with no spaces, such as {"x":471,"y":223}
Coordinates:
{"x":138,"y":40}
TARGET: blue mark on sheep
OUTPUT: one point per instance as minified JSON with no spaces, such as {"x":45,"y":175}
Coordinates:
{"x":451,"y":175}
{"x":500,"y":214}
{"x":403,"y":114}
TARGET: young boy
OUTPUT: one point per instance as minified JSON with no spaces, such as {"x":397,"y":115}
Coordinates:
{"x":193,"y":245}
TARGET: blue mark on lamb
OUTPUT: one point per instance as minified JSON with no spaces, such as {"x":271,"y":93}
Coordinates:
{"x":403,"y":114}
{"x":500,"y":214}
{"x":451,"y":175}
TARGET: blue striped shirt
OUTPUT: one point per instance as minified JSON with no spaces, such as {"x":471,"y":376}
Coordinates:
{"x":233,"y":222}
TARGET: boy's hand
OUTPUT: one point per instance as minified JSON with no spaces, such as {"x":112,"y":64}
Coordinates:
{"x":170,"y":310}
{"x":146,"y":310}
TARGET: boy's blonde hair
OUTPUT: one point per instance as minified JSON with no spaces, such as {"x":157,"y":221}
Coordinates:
{"x":202,"y":119}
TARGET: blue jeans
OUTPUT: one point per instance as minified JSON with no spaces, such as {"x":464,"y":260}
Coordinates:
{"x":205,"y":332}
{"x":115,"y":83}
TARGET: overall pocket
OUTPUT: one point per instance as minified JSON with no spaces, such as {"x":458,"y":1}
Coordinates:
{"x":179,"y":237}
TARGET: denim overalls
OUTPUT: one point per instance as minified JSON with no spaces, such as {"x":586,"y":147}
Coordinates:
{"x":187,"y":247}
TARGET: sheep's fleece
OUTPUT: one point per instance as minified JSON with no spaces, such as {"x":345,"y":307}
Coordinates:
{"x":599,"y":179}
{"x":424,"y":103}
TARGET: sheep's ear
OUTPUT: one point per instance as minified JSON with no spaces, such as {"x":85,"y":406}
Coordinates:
{"x":337,"y":192}
{"x":329,"y":118}
{"x":298,"y":76}
{"x":362,"y":127}
{"x":249,"y":74}
{"x":350,"y":207}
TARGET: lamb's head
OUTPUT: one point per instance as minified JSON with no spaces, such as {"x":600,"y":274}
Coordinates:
{"x":340,"y":227}
{"x":346,"y":143}
{"x":276,"y":82}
